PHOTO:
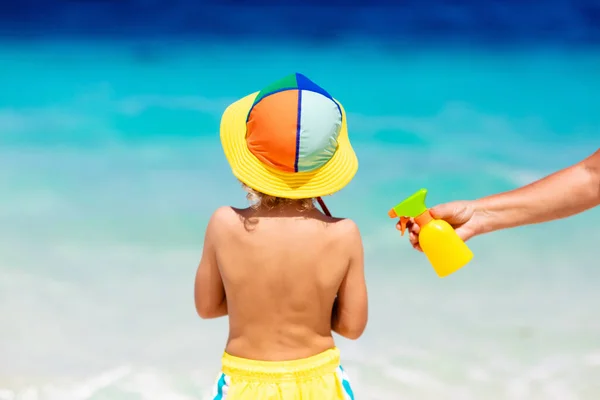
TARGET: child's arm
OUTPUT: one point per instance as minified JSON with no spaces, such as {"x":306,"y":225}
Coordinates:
{"x":350,"y":309}
{"x":209,"y":292}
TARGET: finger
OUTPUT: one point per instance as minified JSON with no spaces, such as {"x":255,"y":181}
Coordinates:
{"x":409,"y":225}
{"x":413,"y":237}
{"x":415,"y":228}
{"x":414,"y":241}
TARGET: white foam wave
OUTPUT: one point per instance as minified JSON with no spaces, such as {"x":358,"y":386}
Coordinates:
{"x":593,"y":359}
{"x":516,"y":176}
{"x":120,"y":383}
{"x":135,"y":105}
{"x":415,"y":345}
{"x":44,"y":120}
{"x":454,"y":120}
{"x":127,"y":383}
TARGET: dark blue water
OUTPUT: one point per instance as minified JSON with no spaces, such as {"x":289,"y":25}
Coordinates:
{"x":489,"y":22}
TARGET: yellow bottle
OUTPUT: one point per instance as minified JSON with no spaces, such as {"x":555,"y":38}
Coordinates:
{"x":444,"y":249}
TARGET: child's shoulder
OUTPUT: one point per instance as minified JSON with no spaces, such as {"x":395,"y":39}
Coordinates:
{"x":225,"y":216}
{"x":224,"y":213}
{"x":345,"y":227}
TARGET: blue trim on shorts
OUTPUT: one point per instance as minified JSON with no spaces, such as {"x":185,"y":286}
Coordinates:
{"x":346,"y":385}
{"x":220,"y":385}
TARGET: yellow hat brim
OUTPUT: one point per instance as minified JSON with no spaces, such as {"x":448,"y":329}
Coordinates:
{"x":328,"y":179}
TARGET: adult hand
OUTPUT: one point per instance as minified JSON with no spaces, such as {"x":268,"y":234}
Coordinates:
{"x":460,"y":214}
{"x":567,"y":192}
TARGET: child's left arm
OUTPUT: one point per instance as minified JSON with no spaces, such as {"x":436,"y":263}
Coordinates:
{"x":209,"y":292}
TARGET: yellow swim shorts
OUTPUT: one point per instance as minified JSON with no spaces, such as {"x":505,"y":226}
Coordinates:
{"x":319,"y":377}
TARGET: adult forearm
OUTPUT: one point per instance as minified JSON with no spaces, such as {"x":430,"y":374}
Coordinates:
{"x":562,"y":194}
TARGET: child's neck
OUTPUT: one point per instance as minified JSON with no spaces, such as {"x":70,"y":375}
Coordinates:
{"x":286,"y":210}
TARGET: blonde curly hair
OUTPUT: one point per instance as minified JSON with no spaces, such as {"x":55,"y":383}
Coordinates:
{"x":265,"y":201}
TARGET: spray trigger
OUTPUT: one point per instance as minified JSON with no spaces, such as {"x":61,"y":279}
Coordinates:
{"x":403,"y":222}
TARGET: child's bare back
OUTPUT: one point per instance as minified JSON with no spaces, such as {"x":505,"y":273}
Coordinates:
{"x":284,"y":273}
{"x":281,"y":271}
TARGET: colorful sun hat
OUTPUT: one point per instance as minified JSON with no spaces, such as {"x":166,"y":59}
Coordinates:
{"x":289,"y":140}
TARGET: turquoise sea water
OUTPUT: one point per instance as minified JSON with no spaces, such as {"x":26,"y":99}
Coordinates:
{"x":110,"y":166}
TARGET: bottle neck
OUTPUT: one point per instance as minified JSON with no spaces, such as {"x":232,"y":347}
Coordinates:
{"x":424,"y":219}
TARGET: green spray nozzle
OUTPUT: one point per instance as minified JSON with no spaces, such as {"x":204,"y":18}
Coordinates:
{"x":412,"y":207}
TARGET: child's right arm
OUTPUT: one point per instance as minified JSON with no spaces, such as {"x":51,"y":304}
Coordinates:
{"x":350,"y":309}
{"x":209,"y":292}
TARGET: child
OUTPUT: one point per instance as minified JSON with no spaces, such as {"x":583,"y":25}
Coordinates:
{"x":285,"y":273}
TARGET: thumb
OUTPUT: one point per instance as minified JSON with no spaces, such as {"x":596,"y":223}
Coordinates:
{"x":443,"y":211}
{"x":453,"y":213}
